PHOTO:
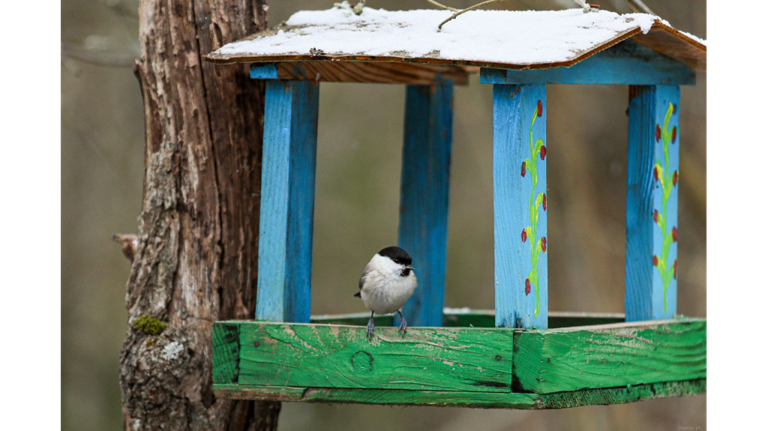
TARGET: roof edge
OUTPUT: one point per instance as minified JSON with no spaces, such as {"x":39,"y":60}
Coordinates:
{"x":661,"y":38}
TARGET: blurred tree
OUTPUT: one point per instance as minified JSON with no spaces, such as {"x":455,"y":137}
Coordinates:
{"x":196,"y":257}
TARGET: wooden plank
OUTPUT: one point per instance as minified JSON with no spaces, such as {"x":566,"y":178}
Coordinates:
{"x":226,"y":359}
{"x":380,"y":397}
{"x":269,"y":44}
{"x":568,"y":319}
{"x":423,"y":230}
{"x":628,"y":63}
{"x":454,"y":359}
{"x":353,"y":319}
{"x":258,"y":393}
{"x":267,"y":71}
{"x":464,"y":317}
{"x":519,"y":205}
{"x":652,"y":177}
{"x":556,"y":319}
{"x":457,"y":318}
{"x":372,"y":73}
{"x":675,"y":44}
{"x":661,"y":38}
{"x":624,"y":395}
{"x":451,"y":319}
{"x":423,"y":398}
{"x":522,"y":401}
{"x":558,"y":360}
{"x":287,"y":201}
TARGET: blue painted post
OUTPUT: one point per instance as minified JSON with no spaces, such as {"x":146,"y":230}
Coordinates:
{"x":424,"y":197}
{"x":520,"y":204}
{"x":287,"y":201}
{"x":652,"y":183}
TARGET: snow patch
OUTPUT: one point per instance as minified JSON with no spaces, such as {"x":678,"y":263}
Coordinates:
{"x":463,"y":310}
{"x":694,"y":37}
{"x":496,"y":36}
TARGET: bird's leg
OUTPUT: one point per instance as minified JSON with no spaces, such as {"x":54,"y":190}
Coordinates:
{"x":370,"y":327}
{"x":403,"y":323}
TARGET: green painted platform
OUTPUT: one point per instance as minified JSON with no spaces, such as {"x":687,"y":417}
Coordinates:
{"x":583,"y":359}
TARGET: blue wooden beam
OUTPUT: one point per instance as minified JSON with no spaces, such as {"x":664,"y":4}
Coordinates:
{"x":263,"y":71}
{"x":652,"y":185}
{"x":519,"y":205}
{"x":627,"y":63}
{"x":424,"y":197}
{"x":287,"y":201}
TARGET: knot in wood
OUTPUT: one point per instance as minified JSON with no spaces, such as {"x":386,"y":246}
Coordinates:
{"x":362,"y":362}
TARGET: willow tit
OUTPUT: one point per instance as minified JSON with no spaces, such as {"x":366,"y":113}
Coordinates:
{"x":386,"y":284}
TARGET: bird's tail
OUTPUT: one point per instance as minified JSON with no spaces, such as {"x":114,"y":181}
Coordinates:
{"x":357,"y":295}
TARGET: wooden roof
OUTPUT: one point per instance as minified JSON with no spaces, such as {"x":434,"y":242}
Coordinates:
{"x":492,"y":39}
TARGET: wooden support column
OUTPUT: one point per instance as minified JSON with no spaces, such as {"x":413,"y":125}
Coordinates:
{"x":424,"y":196}
{"x":287,"y":201}
{"x":520,"y":204}
{"x":652,"y":184}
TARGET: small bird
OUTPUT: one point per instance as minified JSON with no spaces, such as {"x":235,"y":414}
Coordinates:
{"x":386,"y":284}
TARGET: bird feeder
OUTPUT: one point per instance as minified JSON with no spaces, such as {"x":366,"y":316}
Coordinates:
{"x":519,"y":355}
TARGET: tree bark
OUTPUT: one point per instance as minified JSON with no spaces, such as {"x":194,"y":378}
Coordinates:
{"x":196,"y":259}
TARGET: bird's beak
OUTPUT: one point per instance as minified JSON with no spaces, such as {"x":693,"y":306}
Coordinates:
{"x":410,"y":267}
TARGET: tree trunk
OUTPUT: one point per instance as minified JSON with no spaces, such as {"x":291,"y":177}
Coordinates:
{"x":196,"y":260}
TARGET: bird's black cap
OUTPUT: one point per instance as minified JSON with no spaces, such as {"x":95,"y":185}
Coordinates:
{"x":397,"y":255}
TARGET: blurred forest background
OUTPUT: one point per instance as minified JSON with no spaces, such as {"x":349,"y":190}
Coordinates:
{"x":356,"y":212}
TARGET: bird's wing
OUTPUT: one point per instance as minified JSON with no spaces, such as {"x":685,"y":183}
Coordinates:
{"x":366,"y":273}
{"x":360,"y":285}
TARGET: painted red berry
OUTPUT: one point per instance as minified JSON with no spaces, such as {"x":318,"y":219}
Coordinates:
{"x":658,"y":133}
{"x":527,"y":286}
{"x":522,"y":171}
{"x":655,"y":173}
{"x":674,"y":134}
{"x":544,"y":244}
{"x":539,"y":108}
{"x":675,"y":273}
{"x":543,"y":152}
{"x":655,"y":216}
{"x":655,"y":261}
{"x":674,"y":178}
{"x":544,"y":202}
{"x":524,"y":235}
{"x":674,"y":234}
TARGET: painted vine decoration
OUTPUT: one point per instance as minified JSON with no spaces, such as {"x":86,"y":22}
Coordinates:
{"x":667,"y":181}
{"x":540,"y":245}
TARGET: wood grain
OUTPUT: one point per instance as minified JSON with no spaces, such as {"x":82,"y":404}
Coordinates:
{"x":558,"y":360}
{"x":651,"y":250}
{"x":423,"y":229}
{"x":287,"y":201}
{"x":453,"y":359}
{"x":628,"y":63}
{"x":608,"y":396}
{"x":676,"y":45}
{"x":662,"y":38}
{"x":623,"y":395}
{"x":226,"y":344}
{"x":197,"y":255}
{"x":372,"y":73}
{"x":551,"y":368}
{"x":521,"y":278}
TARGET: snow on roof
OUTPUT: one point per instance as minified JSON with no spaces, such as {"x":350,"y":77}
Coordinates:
{"x":508,"y":39}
